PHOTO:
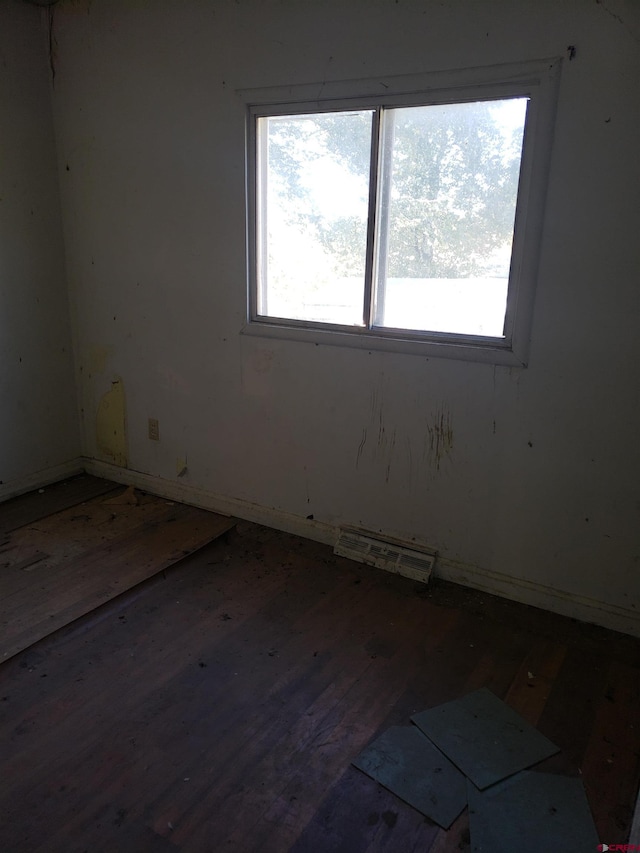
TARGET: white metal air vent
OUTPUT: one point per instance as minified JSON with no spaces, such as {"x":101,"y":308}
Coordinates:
{"x":408,"y":562}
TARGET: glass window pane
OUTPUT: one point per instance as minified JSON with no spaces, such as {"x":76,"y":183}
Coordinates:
{"x":313,"y":184}
{"x":447,"y":200}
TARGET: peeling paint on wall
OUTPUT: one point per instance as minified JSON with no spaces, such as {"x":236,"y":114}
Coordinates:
{"x":440,"y":436}
{"x":111,"y":426}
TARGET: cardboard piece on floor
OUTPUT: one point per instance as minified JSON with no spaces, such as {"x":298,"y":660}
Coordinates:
{"x":531,"y":812}
{"x":409,"y":765}
{"x":483,"y":737}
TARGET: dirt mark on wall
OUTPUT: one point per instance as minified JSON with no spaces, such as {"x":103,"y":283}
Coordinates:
{"x":440,"y":437}
{"x":377,"y":441}
{"x":363,"y":441}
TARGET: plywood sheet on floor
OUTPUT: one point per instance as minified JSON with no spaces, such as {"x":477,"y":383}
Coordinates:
{"x":26,"y":509}
{"x":58,"y":568}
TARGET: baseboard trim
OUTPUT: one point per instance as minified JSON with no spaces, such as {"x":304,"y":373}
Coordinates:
{"x":235,"y":507}
{"x":585,"y":609}
{"x":46,"y":477}
{"x":516,"y":589}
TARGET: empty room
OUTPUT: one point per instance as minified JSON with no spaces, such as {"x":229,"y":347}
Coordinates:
{"x":319,"y":417}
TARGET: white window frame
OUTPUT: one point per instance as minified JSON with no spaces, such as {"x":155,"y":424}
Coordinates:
{"x":538,"y":81}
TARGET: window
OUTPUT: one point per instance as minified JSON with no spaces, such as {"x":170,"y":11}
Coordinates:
{"x":408,"y":220}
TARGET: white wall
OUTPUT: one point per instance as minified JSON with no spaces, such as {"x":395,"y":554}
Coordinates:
{"x":39,"y":439}
{"x":539,"y":496}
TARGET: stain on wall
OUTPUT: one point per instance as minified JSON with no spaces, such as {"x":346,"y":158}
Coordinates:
{"x":111,"y":425}
{"x":440,"y":437}
{"x":383,"y":439}
{"x":363,"y":441}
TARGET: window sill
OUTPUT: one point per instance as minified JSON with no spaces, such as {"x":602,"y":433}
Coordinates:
{"x":481,"y":351}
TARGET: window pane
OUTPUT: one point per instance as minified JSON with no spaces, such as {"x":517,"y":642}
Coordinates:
{"x":313,"y":184}
{"x":447,"y":204}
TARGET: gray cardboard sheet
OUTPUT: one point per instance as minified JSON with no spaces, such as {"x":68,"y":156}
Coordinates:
{"x":531,"y":812}
{"x":409,"y":765}
{"x":483,"y":737}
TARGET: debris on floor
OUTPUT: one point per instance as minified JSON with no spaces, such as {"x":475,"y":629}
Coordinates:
{"x":405,"y":762}
{"x":484,"y":737}
{"x":128,"y":497}
{"x":480,"y":741}
{"x":530,"y":812}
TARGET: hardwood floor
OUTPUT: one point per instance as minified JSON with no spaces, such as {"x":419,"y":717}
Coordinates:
{"x":218,"y":705}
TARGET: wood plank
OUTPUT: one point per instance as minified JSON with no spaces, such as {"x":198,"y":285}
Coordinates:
{"x":58,"y":569}
{"x":360,"y":816}
{"x":25,"y":509}
{"x":534,"y":681}
{"x":611,"y":765}
{"x":219,"y":706}
{"x":579,"y":684}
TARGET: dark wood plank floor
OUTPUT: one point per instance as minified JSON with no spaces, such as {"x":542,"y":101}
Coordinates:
{"x":218,"y":706}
